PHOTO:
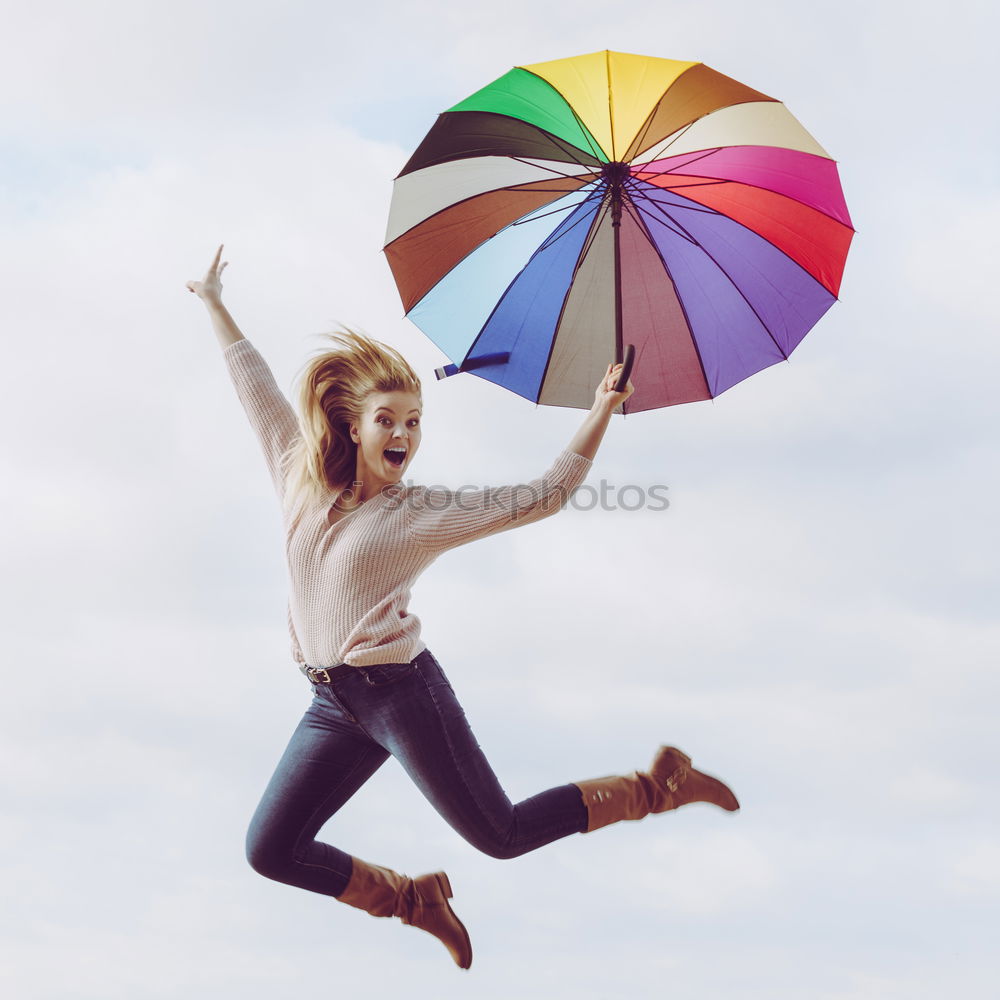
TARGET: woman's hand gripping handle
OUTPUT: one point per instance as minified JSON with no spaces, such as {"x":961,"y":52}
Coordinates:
{"x":607,"y":396}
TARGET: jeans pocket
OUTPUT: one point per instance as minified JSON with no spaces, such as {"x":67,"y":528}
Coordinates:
{"x":382,"y":674}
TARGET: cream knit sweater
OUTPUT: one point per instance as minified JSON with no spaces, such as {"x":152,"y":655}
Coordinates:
{"x":350,"y":581}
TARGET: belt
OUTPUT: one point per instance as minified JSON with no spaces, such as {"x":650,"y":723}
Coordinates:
{"x":321,"y":675}
{"x":325,"y":675}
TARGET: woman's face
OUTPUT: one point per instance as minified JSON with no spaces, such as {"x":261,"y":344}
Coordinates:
{"x":387,"y":436}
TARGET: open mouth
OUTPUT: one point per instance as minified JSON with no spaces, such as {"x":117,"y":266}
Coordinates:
{"x":395,"y":456}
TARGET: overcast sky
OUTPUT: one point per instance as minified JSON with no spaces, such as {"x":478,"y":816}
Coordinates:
{"x":812,"y":618}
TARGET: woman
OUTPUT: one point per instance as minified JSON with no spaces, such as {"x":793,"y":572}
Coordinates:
{"x":356,"y":540}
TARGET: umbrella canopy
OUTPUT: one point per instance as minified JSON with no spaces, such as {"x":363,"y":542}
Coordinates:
{"x":574,"y":206}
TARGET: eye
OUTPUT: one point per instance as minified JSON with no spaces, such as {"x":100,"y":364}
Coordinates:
{"x":414,"y":422}
{"x":384,"y":420}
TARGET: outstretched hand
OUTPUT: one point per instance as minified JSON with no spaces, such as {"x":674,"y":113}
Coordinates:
{"x":209,"y":289}
{"x":606,"y":395}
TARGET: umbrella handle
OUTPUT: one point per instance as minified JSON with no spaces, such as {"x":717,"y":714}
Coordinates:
{"x":627,"y":368}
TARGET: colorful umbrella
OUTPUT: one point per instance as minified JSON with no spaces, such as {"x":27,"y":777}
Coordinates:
{"x":574,"y":206}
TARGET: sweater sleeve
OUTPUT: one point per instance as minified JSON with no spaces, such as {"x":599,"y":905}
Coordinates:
{"x":271,"y":416}
{"x":440,"y":519}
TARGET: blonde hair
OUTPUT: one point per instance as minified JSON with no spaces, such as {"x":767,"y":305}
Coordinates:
{"x":332,"y":391}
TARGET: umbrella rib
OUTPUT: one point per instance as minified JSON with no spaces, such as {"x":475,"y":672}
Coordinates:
{"x":517,"y":222}
{"x":695,"y":207}
{"x":732,"y":281}
{"x":592,"y":235}
{"x":687,"y":163}
{"x":750,"y":305}
{"x":594,"y":148}
{"x":611,"y":108}
{"x":675,"y":138}
{"x":570,"y":152}
{"x":667,"y":220}
{"x":553,"y":238}
{"x":565,"y":146}
{"x":640,"y":136}
{"x":746,"y":184}
{"x":641,"y":223}
{"x":551,"y":170}
{"x":519,"y":186}
{"x":533,"y":218}
{"x":704,"y":182}
{"x":547,"y":242}
{"x":599,"y":216}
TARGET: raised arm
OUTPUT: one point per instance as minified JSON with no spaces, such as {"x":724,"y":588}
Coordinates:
{"x":209,"y":290}
{"x":439,"y":520}
{"x":270,"y":414}
{"x":588,"y":438}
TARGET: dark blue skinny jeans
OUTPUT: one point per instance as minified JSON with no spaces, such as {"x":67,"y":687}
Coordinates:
{"x":359,"y":719}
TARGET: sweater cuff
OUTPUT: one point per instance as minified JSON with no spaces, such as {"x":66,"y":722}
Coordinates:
{"x":575,"y":458}
{"x":570,"y":469}
{"x":238,"y":347}
{"x":244,"y":362}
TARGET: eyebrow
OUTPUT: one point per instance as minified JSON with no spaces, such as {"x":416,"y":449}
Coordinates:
{"x":392,"y":411}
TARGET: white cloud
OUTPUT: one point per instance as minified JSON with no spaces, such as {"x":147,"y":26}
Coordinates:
{"x":975,"y":869}
{"x":704,"y":874}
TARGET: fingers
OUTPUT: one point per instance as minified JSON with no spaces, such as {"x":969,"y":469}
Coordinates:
{"x":213,"y":269}
{"x":610,"y":381}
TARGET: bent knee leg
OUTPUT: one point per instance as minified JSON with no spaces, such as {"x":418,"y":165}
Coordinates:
{"x":533,"y":823}
{"x":268,"y":856}
{"x":502,"y":851}
{"x":500,"y":844}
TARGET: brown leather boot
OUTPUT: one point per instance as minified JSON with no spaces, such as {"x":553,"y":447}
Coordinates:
{"x":421,"y":902}
{"x":671,"y":782}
